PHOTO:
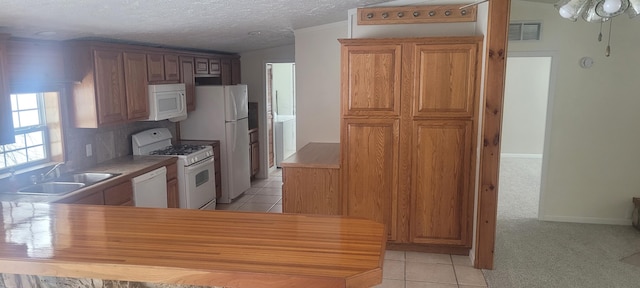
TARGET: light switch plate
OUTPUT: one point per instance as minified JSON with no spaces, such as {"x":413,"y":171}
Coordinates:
{"x":89,"y":150}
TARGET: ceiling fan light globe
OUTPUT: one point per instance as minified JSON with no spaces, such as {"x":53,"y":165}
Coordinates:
{"x":612,"y":6}
{"x":567,"y":11}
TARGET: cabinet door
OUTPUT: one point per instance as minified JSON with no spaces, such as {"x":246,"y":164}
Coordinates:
{"x":441,"y":197}
{"x":173,"y":200}
{"x":225,"y":71}
{"x":187,"y":77}
{"x":371,"y":77}
{"x":202,"y":66}
{"x":444,"y":83}
{"x":155,"y":64}
{"x":93,"y":199}
{"x":171,"y":68}
{"x":235,"y":72}
{"x":109,"y":85}
{"x":214,"y":66}
{"x":121,"y":194}
{"x":370,"y":170}
{"x":135,"y":72}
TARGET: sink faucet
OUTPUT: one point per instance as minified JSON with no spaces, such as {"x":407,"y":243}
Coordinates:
{"x":55,"y":169}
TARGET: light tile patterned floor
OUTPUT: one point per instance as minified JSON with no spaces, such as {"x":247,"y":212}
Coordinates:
{"x":401,"y":269}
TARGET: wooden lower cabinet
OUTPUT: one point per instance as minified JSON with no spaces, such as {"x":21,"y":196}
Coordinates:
{"x":119,"y":195}
{"x":173,"y":195}
{"x":96,"y":198}
{"x":370,"y":170}
{"x":441,"y":205}
{"x":311,"y":190}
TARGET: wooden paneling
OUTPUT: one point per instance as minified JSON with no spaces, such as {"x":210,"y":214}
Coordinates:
{"x":155,"y":69}
{"x":445,"y":80}
{"x":495,"y":70}
{"x":191,"y":247}
{"x":415,"y":14}
{"x":109,"y":87}
{"x":121,"y":194}
{"x":441,"y":198}
{"x":135,"y":73}
{"x":311,"y":191}
{"x":370,"y":170}
{"x":371,"y":78}
{"x":188,"y":78}
{"x":171,"y":67}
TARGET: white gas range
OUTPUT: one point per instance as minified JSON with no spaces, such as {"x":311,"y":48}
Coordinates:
{"x":196,"y":170}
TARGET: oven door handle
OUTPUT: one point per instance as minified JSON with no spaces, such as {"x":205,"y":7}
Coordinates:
{"x":199,"y":165}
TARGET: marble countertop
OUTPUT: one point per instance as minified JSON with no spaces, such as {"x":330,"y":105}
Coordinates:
{"x":127,"y":166}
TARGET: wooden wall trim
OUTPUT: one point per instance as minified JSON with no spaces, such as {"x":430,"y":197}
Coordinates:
{"x":495,"y":70}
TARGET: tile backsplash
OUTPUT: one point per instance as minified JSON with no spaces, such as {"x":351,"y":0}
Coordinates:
{"x":107,"y":142}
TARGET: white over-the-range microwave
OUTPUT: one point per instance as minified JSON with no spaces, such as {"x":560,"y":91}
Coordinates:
{"x":167,"y":101}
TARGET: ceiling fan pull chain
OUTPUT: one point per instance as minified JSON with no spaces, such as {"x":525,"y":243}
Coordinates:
{"x":608,"y":51}
{"x":600,"y":35}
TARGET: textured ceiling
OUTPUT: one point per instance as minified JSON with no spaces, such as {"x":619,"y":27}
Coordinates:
{"x":220,"y":25}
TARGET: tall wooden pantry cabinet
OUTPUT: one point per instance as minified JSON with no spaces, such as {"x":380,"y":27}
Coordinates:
{"x":408,"y":136}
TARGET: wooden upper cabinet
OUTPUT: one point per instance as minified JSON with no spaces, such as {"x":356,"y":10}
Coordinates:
{"x":214,"y":66}
{"x":109,"y":87}
{"x":444,"y":81}
{"x":235,"y":71}
{"x":155,"y":70}
{"x":202,"y":66}
{"x":171,"y":67}
{"x":188,"y":78}
{"x":371,"y":79}
{"x":225,"y":71}
{"x":441,"y":202}
{"x":370,"y":170}
{"x":135,"y":72}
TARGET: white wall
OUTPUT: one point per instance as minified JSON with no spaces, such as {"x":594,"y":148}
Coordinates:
{"x":525,"y":105}
{"x":253,"y":74}
{"x":594,"y":164}
{"x":318,"y":83}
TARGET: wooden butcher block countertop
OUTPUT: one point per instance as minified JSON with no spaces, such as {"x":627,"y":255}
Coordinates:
{"x":315,"y":155}
{"x":182,"y":246}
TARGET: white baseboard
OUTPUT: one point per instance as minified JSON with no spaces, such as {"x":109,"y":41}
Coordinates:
{"x":586,"y":220}
{"x":516,"y":155}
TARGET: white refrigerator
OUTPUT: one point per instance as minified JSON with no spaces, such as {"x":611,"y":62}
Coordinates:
{"x":221,"y":114}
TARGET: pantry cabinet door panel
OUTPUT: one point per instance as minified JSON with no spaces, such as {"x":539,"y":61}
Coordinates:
{"x":369,"y":170}
{"x":445,"y":80}
{"x":441,"y":197}
{"x":371,"y":78}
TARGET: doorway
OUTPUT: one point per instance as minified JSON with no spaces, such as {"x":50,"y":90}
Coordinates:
{"x":281,"y":112}
{"x":526,"y":117}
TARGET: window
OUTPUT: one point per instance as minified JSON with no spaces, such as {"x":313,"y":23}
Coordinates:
{"x":30,"y":129}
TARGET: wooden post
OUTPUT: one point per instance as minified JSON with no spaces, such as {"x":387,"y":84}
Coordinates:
{"x":498,"y":24}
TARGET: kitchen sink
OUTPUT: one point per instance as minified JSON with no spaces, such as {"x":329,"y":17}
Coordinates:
{"x":51,"y":188}
{"x":87,"y":178}
{"x":66,"y":183}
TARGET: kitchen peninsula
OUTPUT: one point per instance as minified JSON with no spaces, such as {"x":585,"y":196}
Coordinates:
{"x":188,"y":247}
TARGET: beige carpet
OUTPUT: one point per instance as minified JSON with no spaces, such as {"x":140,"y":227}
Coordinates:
{"x":531,"y":253}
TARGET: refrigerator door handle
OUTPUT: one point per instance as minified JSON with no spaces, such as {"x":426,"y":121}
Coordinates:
{"x":234,"y":130}
{"x":232,"y":98}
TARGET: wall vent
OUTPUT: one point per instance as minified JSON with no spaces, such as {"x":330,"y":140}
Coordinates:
{"x":524,"y":31}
